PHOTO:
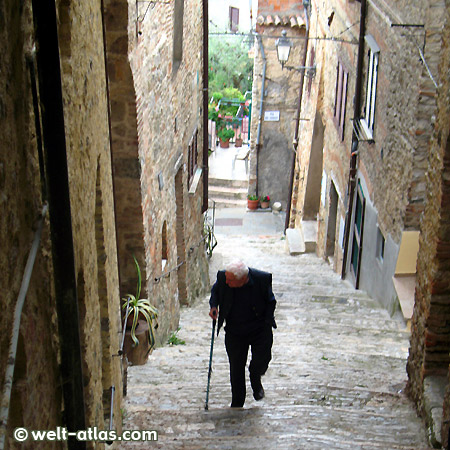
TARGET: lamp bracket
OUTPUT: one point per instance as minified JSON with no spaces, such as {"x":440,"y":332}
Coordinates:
{"x":310,"y":70}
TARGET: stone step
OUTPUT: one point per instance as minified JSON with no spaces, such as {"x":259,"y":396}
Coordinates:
{"x":227,"y":192}
{"x":222,"y":202}
{"x":336,"y":379}
{"x":243,"y":184}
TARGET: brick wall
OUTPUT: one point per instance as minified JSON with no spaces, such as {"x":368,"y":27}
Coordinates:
{"x":429,"y":350}
{"x":169,"y":107}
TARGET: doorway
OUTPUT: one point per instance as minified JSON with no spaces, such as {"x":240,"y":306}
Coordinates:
{"x":332,"y":217}
{"x":312,"y":194}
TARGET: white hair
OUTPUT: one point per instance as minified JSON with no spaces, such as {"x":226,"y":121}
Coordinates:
{"x":238,"y":268}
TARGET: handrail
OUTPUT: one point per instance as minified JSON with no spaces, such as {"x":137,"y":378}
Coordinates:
{"x":9,"y":374}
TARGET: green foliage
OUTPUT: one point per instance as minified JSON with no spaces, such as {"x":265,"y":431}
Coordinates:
{"x":140,"y":307}
{"x":174,"y":339}
{"x":216,"y":96}
{"x":225,"y":133}
{"x":229,"y":64}
{"x":231,"y":92}
{"x":253,"y":197}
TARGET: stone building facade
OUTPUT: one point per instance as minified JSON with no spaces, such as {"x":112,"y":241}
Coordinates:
{"x":166,"y":58}
{"x":109,"y":135}
{"x":369,"y":120}
{"x":370,"y":112}
{"x":274,"y":100}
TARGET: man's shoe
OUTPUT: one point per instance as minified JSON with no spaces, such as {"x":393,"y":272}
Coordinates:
{"x":236,"y":405}
{"x":258,"y":394}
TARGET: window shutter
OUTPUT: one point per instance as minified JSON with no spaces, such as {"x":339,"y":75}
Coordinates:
{"x":343,"y":105}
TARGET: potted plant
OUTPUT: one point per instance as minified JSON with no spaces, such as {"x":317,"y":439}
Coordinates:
{"x":141,"y":319}
{"x":225,"y":134}
{"x":252,"y":202}
{"x":265,"y":201}
{"x":238,"y":142}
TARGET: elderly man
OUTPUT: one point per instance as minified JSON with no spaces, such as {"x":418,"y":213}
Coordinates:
{"x":243,"y":298}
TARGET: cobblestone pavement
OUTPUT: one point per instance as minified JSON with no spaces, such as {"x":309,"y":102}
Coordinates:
{"x":336,"y":380}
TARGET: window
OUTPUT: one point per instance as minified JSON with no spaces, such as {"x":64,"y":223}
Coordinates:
{"x":164,"y":248}
{"x":192,"y":157}
{"x":340,"y":99}
{"x":178,"y":33}
{"x":367,"y":121}
{"x":234,"y":19}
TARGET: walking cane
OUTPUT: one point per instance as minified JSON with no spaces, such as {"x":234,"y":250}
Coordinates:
{"x":210,"y":363}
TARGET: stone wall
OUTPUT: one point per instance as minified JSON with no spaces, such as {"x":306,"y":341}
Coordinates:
{"x":37,"y":399}
{"x":124,"y":144}
{"x":92,"y":203}
{"x":21,"y":205}
{"x":318,"y":106}
{"x":271,"y":160}
{"x":429,"y":350}
{"x":166,"y":60}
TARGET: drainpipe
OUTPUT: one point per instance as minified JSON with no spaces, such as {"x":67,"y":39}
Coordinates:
{"x":297,"y":124}
{"x":258,"y":135}
{"x":205,"y":106}
{"x":46,"y":34}
{"x":354,"y":151}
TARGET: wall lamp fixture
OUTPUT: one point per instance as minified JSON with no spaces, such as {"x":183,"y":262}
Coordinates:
{"x":284,"y":45}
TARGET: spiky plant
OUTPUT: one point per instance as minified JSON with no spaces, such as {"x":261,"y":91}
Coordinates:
{"x":137,"y":306}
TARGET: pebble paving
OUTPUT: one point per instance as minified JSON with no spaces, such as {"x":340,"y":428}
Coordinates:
{"x":336,"y":380}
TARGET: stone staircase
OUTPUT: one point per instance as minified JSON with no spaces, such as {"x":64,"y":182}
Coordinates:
{"x":336,"y":380}
{"x":228,"y":193}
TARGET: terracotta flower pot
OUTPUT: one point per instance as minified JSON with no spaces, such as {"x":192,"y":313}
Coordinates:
{"x":238,"y":142}
{"x":224,"y":144}
{"x":265,"y":205}
{"x":252,"y":204}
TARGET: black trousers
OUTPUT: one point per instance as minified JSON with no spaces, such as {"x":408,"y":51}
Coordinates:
{"x":237,"y":347}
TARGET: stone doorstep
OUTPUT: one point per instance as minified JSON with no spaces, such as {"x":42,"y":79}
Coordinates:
{"x":310,"y":235}
{"x":405,"y":286}
{"x":295,"y":242}
{"x":303,"y":239}
{"x":433,"y":398}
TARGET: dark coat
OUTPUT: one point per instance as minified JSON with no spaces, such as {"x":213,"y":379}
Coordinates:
{"x":262,"y":298}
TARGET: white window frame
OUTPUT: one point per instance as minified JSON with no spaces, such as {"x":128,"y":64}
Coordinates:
{"x":368,"y":121}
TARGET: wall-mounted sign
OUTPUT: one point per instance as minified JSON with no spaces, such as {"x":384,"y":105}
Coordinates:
{"x":271,"y":116}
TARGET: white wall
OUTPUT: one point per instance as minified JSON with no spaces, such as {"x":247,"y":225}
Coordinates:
{"x":219,"y":14}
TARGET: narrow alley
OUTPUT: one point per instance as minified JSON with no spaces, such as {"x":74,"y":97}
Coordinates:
{"x":336,"y":380}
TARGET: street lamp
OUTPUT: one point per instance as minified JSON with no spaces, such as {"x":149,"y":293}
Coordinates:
{"x":284,"y":45}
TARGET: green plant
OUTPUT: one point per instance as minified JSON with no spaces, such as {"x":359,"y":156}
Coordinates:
{"x":229,"y":63}
{"x":140,"y":307}
{"x":252,"y":197}
{"x":265,"y":198}
{"x":174,"y":339}
{"x":225,"y":133}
